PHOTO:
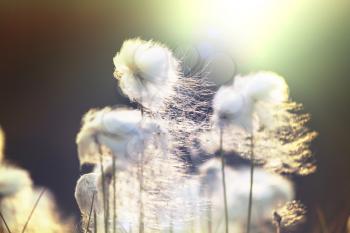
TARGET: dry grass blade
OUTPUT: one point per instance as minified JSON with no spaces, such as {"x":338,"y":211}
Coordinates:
{"x":32,"y":212}
{"x":3,"y":219}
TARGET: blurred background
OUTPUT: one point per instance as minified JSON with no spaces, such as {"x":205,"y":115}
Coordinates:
{"x":56,"y":63}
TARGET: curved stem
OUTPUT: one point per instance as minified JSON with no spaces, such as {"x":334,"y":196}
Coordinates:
{"x":32,"y":212}
{"x":223,"y":179}
{"x":5,"y":223}
{"x":250,"y":203}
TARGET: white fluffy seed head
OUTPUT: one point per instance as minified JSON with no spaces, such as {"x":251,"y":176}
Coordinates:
{"x":231,"y":106}
{"x":84,"y":190}
{"x":12,"y":180}
{"x":120,"y":132}
{"x":250,"y":99}
{"x":264,"y":86}
{"x":146,"y":71}
{"x":108,"y":127}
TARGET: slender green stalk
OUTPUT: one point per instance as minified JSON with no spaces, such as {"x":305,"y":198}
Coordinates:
{"x":104,"y":192}
{"x":90,"y":212}
{"x":114,"y":195}
{"x":250,"y":203}
{"x":32,"y":211}
{"x":223,"y":179}
{"x":3,"y":219}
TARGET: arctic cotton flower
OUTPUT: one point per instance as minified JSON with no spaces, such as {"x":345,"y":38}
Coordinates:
{"x":250,"y":100}
{"x":146,"y":71}
{"x":121,"y":132}
{"x":13,"y":180}
{"x":86,"y":197}
{"x":258,"y":105}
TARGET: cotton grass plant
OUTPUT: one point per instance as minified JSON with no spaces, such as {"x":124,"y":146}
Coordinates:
{"x":270,"y":191}
{"x":143,"y":154}
{"x":146,"y":71}
{"x":165,"y":167}
{"x":255,"y":118}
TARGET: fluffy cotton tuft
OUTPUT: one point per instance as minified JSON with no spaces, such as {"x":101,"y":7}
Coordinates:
{"x":121,"y":132}
{"x":146,"y":71}
{"x":84,"y":191}
{"x":250,"y":99}
{"x":13,"y":180}
{"x":108,"y":127}
{"x":263,"y":86}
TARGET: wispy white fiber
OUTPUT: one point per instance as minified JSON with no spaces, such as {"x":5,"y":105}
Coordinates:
{"x":250,"y":100}
{"x":258,"y":104}
{"x":146,"y":71}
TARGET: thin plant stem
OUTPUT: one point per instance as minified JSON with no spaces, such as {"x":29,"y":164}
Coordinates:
{"x":90,"y":212}
{"x":95,"y":222}
{"x":223,"y":179}
{"x":250,"y":203}
{"x":32,"y":211}
{"x":141,"y":210}
{"x":209,"y":218}
{"x":3,"y":219}
{"x":277,"y":219}
{"x":192,"y":221}
{"x":171,"y":224}
{"x":114,"y":195}
{"x":104,"y":192}
{"x":278,"y":228}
